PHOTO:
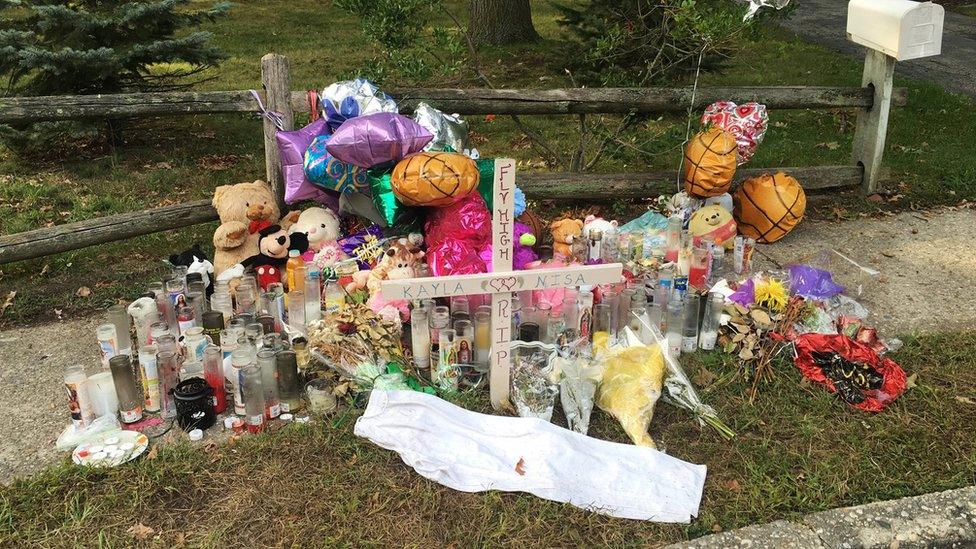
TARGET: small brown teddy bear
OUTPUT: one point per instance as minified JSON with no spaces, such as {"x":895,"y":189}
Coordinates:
{"x":564,"y":232}
{"x":244,"y":209}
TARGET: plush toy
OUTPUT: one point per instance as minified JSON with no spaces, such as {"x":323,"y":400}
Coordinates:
{"x":524,"y":240}
{"x":564,"y":232}
{"x":244,"y":210}
{"x":196,"y":261}
{"x":328,"y":256}
{"x":714,"y":221}
{"x":274,"y":245}
{"x":593,"y":222}
{"x":396,"y":262}
{"x":321,"y":225}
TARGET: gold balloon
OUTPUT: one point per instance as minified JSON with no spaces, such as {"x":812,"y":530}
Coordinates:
{"x":434,"y":178}
{"x":710,"y":161}
{"x":768,"y":207}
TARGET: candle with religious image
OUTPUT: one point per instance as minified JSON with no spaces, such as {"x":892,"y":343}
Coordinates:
{"x":108,"y":343}
{"x":584,"y":313}
{"x":445,"y":374}
{"x":150,"y":377}
{"x":465,"y":341}
{"x":79,"y":401}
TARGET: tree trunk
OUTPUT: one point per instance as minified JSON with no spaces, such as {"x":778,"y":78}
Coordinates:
{"x":498,"y":22}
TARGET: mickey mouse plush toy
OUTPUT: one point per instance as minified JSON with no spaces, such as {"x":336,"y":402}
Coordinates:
{"x":274,"y":245}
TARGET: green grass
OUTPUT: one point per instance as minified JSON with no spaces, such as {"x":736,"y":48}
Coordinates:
{"x":799,"y":450}
{"x":173,"y":160}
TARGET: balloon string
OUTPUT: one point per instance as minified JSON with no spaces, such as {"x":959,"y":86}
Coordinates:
{"x":691,"y":108}
{"x":274,"y":117}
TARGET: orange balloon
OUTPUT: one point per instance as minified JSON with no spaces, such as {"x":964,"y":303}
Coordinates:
{"x":767,"y":207}
{"x":710,"y":161}
{"x":433,"y":178}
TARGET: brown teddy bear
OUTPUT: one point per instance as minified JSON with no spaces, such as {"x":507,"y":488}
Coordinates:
{"x":244,"y":209}
{"x":564,"y":232}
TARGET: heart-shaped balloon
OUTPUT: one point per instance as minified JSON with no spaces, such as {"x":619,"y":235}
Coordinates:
{"x":747,"y":122}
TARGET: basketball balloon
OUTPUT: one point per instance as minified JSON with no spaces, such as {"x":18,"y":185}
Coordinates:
{"x":710,"y":160}
{"x":769,"y":206}
{"x":434,"y":178}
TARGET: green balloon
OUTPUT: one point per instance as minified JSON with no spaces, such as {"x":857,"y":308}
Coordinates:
{"x":486,"y":179}
{"x":397,"y":216}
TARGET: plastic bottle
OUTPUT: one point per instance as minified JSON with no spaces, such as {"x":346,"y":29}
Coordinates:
{"x":294,"y":279}
{"x":269,"y":381}
{"x":79,"y":401}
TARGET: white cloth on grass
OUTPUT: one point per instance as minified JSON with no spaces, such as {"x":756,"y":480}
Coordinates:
{"x":474,"y":452}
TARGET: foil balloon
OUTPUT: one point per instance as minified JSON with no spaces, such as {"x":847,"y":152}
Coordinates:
{"x":755,"y":5}
{"x":486,"y":180}
{"x":746,"y":122}
{"x":365,"y":246}
{"x":323,"y":170}
{"x":377,"y":139}
{"x":351,"y":98}
{"x":434,"y":178}
{"x":450,"y":130}
{"x":391,"y":210}
{"x":456,"y":235}
{"x":292,"y":146}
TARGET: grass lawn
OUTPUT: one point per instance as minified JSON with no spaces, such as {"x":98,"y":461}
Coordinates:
{"x":799,"y":450}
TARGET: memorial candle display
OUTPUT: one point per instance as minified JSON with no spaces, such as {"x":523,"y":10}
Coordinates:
{"x":79,"y":400}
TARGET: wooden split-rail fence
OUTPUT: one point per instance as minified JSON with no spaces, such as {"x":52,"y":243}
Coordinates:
{"x":872,"y":102}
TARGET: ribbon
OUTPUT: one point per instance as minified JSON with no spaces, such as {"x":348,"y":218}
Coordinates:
{"x":313,"y":104}
{"x":272,"y":116}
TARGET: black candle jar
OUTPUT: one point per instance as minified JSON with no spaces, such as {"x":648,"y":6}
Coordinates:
{"x":194,"y":404}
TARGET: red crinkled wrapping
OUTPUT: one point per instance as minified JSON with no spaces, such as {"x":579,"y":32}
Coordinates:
{"x":894,"y":377}
{"x":455,"y":234}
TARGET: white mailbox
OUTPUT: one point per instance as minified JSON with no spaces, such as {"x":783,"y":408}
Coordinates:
{"x":900,"y":28}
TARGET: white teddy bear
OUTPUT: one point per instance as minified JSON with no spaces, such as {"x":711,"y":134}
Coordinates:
{"x":321,"y":225}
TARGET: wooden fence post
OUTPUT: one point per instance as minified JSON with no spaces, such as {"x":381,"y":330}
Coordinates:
{"x":872,"y":122}
{"x":277,"y":88}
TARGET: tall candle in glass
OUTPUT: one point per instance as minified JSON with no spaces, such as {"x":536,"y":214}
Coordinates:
{"x":242,"y":359}
{"x":213,"y":373}
{"x":602,"y":326}
{"x":482,"y":338}
{"x":439,"y":319}
{"x":700,"y":265}
{"x":127,"y":389}
{"x":79,"y":401}
{"x":420,"y":338}
{"x":118,"y":316}
{"x":252,"y":394}
{"x":712,"y":321}
{"x":465,"y":341}
{"x":108,"y":343}
{"x":445,"y":375}
{"x":150,"y":377}
{"x":673,"y":238}
{"x":689,"y":331}
{"x":675,"y":317}
{"x":313,"y":294}
{"x":335,"y":297}
{"x":269,"y":381}
{"x":585,"y":314}
{"x":167,"y":368}
{"x":289,"y":389}
{"x":296,"y":310}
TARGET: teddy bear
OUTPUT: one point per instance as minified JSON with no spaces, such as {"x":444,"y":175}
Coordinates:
{"x":564,"y":232}
{"x":593,"y":222}
{"x":244,"y":209}
{"x":396,"y":262}
{"x":320,"y":224}
{"x":716,"y":222}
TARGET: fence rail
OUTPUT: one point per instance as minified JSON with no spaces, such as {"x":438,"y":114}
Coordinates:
{"x":871,"y":101}
{"x":467,"y":101}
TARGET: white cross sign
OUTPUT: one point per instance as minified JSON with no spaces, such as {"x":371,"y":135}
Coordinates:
{"x":501,"y":282}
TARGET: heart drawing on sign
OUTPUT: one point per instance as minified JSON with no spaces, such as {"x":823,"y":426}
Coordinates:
{"x":506,"y":284}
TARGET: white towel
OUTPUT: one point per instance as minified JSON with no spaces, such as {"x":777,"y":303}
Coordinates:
{"x":474,"y":452}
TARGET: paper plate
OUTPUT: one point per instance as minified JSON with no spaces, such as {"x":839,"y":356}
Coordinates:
{"x":111,"y":449}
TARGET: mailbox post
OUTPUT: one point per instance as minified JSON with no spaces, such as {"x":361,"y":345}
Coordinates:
{"x":892,"y":30}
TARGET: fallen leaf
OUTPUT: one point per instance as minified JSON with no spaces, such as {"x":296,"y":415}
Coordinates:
{"x":965,"y":400}
{"x":84,"y":291}
{"x":876,"y":198}
{"x":8,"y":301}
{"x":760,"y":316}
{"x":140,"y":531}
{"x":910,"y":381}
{"x":152,"y":453}
{"x":520,"y":467}
{"x":746,"y":354}
{"x":733,"y":485}
{"x":704,"y":377}
{"x":46,"y":269}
